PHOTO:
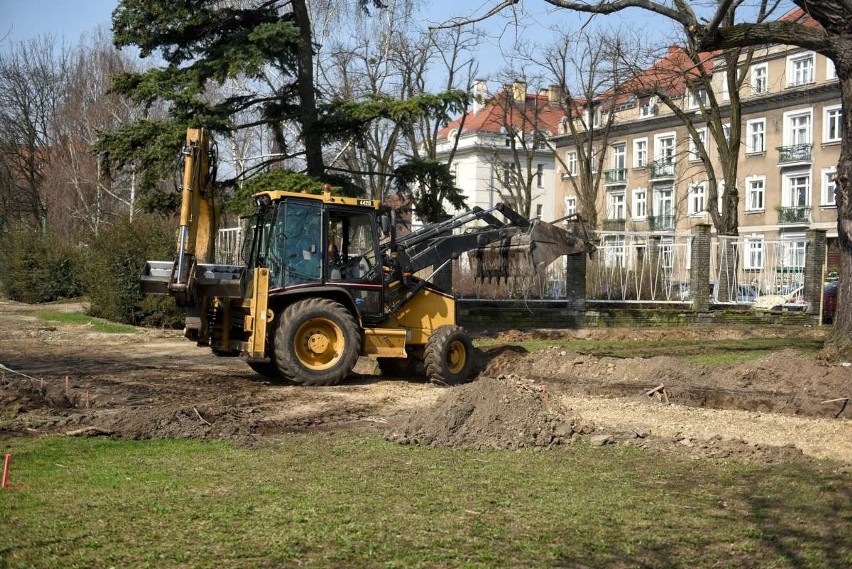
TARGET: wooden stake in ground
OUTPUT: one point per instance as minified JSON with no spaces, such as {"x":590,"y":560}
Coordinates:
{"x":6,"y":463}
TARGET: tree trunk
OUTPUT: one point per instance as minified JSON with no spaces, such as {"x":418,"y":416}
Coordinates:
{"x":840,"y":344}
{"x":307,"y":95}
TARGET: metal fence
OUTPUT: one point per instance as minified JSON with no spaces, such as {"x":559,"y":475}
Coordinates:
{"x":639,"y":267}
{"x":744,"y":267}
{"x":228,"y":244}
{"x":632,"y":267}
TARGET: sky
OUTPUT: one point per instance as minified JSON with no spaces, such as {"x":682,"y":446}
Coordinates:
{"x":72,"y":20}
{"x":24,"y":19}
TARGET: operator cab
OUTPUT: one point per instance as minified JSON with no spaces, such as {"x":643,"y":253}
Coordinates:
{"x":305,"y":241}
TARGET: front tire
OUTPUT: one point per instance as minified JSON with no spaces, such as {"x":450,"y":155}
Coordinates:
{"x":449,"y":356}
{"x":317,"y":342}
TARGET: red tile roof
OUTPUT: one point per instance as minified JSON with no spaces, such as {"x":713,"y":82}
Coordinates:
{"x":499,"y":112}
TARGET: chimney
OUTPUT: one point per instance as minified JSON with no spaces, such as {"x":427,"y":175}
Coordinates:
{"x":519,"y":90}
{"x":480,"y":94}
{"x":554,"y":94}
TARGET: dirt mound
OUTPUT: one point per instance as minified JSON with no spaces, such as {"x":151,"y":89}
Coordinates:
{"x":506,"y":412}
{"x":23,"y":395}
{"x":786,"y":382}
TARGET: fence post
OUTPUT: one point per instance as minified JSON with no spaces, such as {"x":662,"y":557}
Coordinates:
{"x":699,"y":271}
{"x":814,"y":261}
{"x":575,"y":272}
{"x":654,"y":265}
{"x":575,"y":281}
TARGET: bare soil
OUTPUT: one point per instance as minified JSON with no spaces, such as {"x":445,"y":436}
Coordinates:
{"x":155,"y":384}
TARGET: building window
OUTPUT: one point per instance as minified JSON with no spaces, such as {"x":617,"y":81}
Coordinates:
{"x":539,"y":140}
{"x":759,"y":78}
{"x":694,"y":154}
{"x":571,"y":205}
{"x":539,"y":175}
{"x":615,"y":205}
{"x":800,"y":69}
{"x":667,"y":254}
{"x":797,"y":190}
{"x":640,"y":203}
{"x":593,"y":117}
{"x":640,"y":153}
{"x":697,"y":98}
{"x":726,"y":132}
{"x":664,"y":147}
{"x":830,"y":69}
{"x":613,"y":246}
{"x":827,"y":196}
{"x":753,"y":252}
{"x":649,"y":108}
{"x":793,"y":251}
{"x":756,"y":136}
{"x":619,"y":156}
{"x":798,"y":128}
{"x":571,"y":163}
{"x":755,"y":194}
{"x":833,"y":125}
{"x":697,"y":199}
{"x":538,"y":209}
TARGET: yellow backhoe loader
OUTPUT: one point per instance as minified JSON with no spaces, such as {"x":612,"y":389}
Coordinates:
{"x":325,"y":280}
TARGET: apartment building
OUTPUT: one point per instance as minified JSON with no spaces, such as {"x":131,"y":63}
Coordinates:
{"x":499,"y":150}
{"x":653,"y":179}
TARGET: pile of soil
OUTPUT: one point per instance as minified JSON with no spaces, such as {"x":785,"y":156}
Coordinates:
{"x":23,"y":395}
{"x":504,"y":412}
{"x":787,"y":381}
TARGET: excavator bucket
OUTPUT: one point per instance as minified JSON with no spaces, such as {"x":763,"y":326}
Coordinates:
{"x":527,"y":252}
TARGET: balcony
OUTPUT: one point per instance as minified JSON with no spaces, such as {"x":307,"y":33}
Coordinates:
{"x":615,"y":176}
{"x":794,"y":215}
{"x":795,"y":153}
{"x":661,"y":222}
{"x":661,"y":169}
{"x":613,"y":224}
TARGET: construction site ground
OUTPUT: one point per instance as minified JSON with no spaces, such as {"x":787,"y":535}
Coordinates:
{"x":155,"y":384}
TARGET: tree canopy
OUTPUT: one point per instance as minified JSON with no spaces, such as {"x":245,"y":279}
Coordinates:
{"x":234,"y":67}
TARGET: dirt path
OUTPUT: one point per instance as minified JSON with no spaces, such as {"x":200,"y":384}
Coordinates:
{"x":153,"y":384}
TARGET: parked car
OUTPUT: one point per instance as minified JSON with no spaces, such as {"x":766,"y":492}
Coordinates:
{"x":786,"y":299}
{"x":746,"y":293}
{"x":829,"y":302}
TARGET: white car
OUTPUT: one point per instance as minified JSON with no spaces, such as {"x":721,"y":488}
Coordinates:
{"x":792,"y":300}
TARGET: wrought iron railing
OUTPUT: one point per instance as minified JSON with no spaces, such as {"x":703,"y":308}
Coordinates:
{"x":795,"y":153}
{"x":661,"y":222}
{"x":615,"y":176}
{"x":664,"y":168}
{"x":798,"y":214}
{"x":613,"y":224}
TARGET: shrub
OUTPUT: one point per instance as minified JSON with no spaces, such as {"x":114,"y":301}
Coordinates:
{"x":36,"y":267}
{"x":113,"y":263}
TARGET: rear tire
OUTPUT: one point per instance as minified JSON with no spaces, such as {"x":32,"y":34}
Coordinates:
{"x":449,"y":356}
{"x":317,"y":342}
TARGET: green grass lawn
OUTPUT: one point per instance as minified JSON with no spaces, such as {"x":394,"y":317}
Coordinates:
{"x":706,"y":352}
{"x":347,"y":500}
{"x":97,"y":324}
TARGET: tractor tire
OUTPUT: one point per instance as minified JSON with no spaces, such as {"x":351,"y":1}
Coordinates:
{"x":266,"y":369}
{"x":317,"y":342}
{"x":449,"y":356}
{"x":405,"y":368}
